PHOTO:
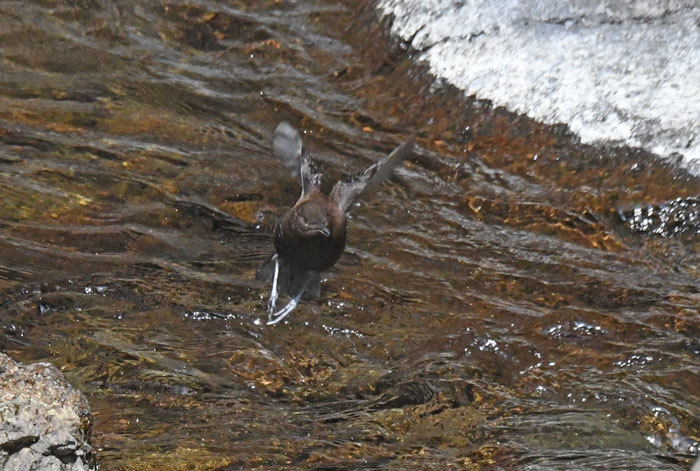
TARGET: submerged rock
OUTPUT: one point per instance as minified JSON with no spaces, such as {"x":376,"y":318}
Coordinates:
{"x":44,"y":421}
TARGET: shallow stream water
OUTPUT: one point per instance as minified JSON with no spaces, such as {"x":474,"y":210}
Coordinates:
{"x":510,"y":300}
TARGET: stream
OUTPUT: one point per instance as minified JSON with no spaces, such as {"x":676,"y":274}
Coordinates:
{"x":511,"y":299}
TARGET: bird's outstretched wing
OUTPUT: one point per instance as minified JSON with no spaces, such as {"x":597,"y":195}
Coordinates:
{"x":288,"y":146}
{"x":345,"y":192}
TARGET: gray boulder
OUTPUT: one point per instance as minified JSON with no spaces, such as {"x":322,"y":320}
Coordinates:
{"x":44,"y":422}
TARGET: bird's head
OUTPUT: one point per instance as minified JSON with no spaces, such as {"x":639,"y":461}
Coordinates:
{"x":312,"y":219}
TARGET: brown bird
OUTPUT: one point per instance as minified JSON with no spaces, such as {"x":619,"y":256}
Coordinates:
{"x":310,"y":237}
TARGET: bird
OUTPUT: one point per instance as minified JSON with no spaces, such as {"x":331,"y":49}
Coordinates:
{"x":310,"y":237}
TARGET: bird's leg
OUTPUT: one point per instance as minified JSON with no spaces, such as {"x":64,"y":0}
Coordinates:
{"x":272,"y":303}
{"x":291,"y":305}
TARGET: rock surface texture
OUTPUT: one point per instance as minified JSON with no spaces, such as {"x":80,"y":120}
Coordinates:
{"x":621,"y":71}
{"x":44,"y":421}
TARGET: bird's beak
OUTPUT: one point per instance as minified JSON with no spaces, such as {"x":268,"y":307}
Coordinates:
{"x":325,"y":231}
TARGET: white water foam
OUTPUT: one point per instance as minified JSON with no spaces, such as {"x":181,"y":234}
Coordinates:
{"x":620,"y":71}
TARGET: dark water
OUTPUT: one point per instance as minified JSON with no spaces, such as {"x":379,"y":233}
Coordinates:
{"x":512,"y":300}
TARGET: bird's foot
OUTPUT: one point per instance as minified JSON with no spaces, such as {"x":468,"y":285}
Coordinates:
{"x":272,"y":303}
{"x":287,"y":310}
{"x":291,"y":305}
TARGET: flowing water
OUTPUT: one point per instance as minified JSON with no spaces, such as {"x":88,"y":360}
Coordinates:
{"x":510,"y":300}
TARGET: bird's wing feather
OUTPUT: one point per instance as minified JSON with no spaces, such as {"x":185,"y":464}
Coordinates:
{"x":347,"y":191}
{"x":288,"y":146}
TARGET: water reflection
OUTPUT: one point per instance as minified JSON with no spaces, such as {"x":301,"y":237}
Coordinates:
{"x":490,"y":310}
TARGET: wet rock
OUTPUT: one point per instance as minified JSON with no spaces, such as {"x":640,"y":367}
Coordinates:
{"x":679,"y":216}
{"x":403,"y":393}
{"x":44,"y":422}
